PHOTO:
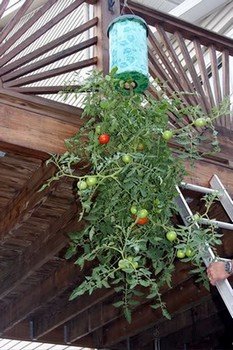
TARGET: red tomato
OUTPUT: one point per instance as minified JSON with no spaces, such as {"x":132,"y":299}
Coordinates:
{"x":140,"y":221}
{"x":104,"y":139}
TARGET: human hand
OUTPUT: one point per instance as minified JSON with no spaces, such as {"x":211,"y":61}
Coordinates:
{"x":216,"y":272}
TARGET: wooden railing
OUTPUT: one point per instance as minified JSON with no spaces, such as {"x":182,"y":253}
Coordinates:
{"x":186,"y":58}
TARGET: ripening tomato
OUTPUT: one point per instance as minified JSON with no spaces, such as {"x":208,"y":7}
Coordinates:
{"x":104,"y":139}
{"x":142,"y":221}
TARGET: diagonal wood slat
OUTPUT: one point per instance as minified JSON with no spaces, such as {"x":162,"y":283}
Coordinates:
{"x":43,"y":90}
{"x":40,"y":32}
{"x":22,"y":10}
{"x":46,"y":48}
{"x":203,"y":72}
{"x":52,"y":73}
{"x":3,"y":6}
{"x":51,"y":59}
{"x":27,"y":25}
{"x":227,"y":122}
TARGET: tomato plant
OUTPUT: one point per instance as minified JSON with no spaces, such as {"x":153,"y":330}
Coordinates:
{"x":128,"y":204}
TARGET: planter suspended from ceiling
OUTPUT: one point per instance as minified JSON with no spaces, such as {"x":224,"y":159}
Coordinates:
{"x":129,"y":52}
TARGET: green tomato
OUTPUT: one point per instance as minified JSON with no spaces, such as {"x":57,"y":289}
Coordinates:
{"x":104,"y":104}
{"x":91,"y":181}
{"x":123,"y":264}
{"x":133,"y":209}
{"x":98,"y":129}
{"x":188,"y":252}
{"x":142,"y":213}
{"x":82,"y":185}
{"x":167,"y":135}
{"x":200,"y":122}
{"x":171,"y":236}
{"x":126,"y":158}
{"x":180,"y":254}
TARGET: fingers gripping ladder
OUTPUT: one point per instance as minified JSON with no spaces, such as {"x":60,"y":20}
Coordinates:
{"x":208,"y":256}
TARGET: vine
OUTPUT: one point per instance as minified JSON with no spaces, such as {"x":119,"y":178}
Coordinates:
{"x":127,"y":196}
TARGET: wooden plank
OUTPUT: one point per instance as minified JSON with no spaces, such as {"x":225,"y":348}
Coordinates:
{"x":36,"y":256}
{"x":173,"y":24}
{"x":105,"y":17}
{"x":27,"y":200}
{"x":13,"y":39}
{"x":50,"y":59}
{"x":40,"y":32}
{"x":203,"y":72}
{"x":142,"y":318}
{"x":196,"y":82}
{"x":3,"y":6}
{"x":52,"y":73}
{"x":215,"y":76}
{"x":31,"y":130}
{"x":170,"y":71}
{"x":15,"y":19}
{"x":226,"y":86}
{"x":53,"y":109}
{"x":44,"y":90}
{"x":45,"y":48}
{"x":187,"y":86}
{"x":64,"y":310}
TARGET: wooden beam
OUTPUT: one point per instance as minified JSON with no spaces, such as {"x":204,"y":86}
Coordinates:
{"x":146,"y":316}
{"x":44,"y":90}
{"x":3,"y":6}
{"x":44,"y":249}
{"x":77,"y":311}
{"x":34,"y":298}
{"x":104,"y":19}
{"x":33,"y":130}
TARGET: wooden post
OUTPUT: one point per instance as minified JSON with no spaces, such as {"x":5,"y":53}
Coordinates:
{"x":105,"y":16}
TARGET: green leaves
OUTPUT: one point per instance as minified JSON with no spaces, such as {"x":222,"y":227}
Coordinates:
{"x":136,"y":168}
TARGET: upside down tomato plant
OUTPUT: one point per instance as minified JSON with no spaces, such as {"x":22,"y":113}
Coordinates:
{"x":128,"y":196}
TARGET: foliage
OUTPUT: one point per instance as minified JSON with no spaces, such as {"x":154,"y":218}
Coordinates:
{"x":135,"y":170}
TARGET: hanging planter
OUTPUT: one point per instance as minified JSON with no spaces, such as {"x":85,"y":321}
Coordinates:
{"x":128,"y":51}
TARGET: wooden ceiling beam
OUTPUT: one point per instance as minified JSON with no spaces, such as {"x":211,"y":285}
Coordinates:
{"x":145,"y":316}
{"x":35,"y":298}
{"x":41,"y":252}
{"x":26,"y":202}
{"x":65,"y":310}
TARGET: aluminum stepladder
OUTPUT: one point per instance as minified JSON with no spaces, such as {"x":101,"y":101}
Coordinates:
{"x":224,"y":287}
